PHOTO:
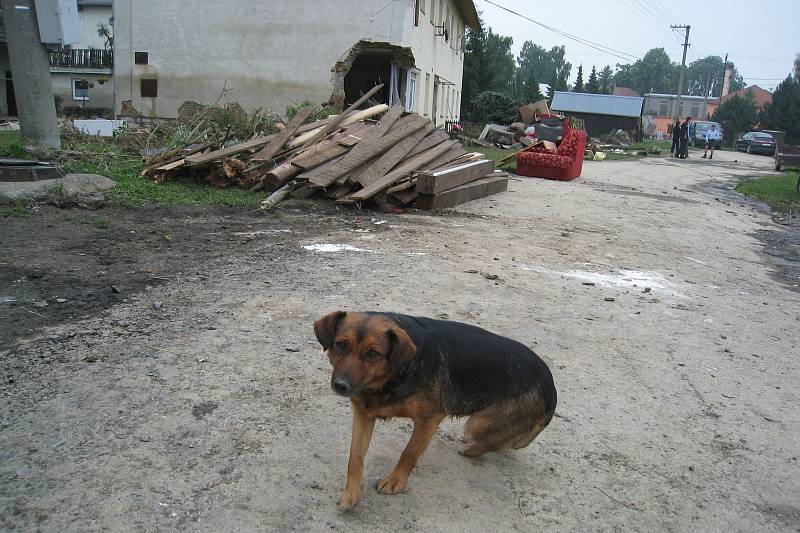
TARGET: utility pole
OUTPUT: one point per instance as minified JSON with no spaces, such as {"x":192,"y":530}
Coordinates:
{"x":30,"y":69}
{"x":677,"y":110}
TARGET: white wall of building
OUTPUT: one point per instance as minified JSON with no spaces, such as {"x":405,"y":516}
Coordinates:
{"x":90,"y":17}
{"x":269,"y":55}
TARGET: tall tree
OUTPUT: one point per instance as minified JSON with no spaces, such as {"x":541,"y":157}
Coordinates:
{"x":655,"y":72}
{"x":477,"y":72}
{"x":547,"y":66}
{"x":709,"y":71}
{"x":736,"y":115}
{"x":783,"y":112}
{"x":593,"y":84}
{"x":579,"y":80}
{"x":605,"y":78}
{"x":501,"y":62}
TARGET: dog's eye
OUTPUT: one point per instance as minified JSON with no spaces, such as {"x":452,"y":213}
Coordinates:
{"x":341,"y":346}
{"x":373,"y":353}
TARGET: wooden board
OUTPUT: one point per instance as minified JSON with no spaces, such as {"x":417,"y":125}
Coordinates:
{"x":274,"y":146}
{"x":446,"y":158}
{"x":465,"y":193}
{"x":204,"y":159}
{"x":436,"y":182}
{"x":319,"y":153}
{"x":369,"y":147}
{"x":338,"y":120}
{"x":403,"y":169}
{"x":437,"y":137}
{"x":392,"y":157}
{"x":404,"y":197}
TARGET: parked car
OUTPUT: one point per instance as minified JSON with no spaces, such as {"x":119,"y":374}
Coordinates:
{"x":698,"y":130}
{"x":756,"y":142}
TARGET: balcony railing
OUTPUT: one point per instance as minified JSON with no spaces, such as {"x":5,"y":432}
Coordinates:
{"x":82,"y":58}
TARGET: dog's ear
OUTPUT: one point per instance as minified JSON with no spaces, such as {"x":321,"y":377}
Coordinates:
{"x":403,"y":349}
{"x":325,"y":328}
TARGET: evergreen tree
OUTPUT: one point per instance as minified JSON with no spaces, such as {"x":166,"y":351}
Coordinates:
{"x":736,"y":115}
{"x":478,"y":76}
{"x":579,"y":80}
{"x":593,"y":85}
{"x":783,"y":113}
{"x":605,"y":78}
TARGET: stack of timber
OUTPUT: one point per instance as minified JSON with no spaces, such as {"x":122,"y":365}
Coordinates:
{"x":378,"y":155}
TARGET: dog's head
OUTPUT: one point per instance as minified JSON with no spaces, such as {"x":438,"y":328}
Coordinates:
{"x":366,"y":350}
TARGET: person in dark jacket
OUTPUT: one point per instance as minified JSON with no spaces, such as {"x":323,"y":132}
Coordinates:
{"x":676,"y":138}
{"x":684,"y":144}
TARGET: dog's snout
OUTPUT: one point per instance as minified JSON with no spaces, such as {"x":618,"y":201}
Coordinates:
{"x":341,"y":386}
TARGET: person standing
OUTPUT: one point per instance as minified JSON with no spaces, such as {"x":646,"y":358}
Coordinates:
{"x":676,"y":138}
{"x":713,"y":136}
{"x":684,"y":144}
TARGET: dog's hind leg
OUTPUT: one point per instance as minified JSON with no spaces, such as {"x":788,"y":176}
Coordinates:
{"x":510,"y":424}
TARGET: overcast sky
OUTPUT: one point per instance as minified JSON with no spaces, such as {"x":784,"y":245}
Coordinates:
{"x":761,"y":38}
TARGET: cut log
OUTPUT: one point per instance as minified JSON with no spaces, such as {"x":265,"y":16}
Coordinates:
{"x":436,"y":182}
{"x":280,"y":175}
{"x":369,"y":147}
{"x":392,"y":156}
{"x":352,"y":119}
{"x":464,"y":193}
{"x":437,"y":137}
{"x":402,"y":170}
{"x":274,"y":146}
{"x":279,"y":196}
{"x":340,"y":119}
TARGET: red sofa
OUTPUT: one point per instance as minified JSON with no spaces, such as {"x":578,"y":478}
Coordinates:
{"x":565,"y":164}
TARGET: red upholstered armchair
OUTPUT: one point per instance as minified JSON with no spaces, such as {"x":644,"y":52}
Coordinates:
{"x":565,"y":164}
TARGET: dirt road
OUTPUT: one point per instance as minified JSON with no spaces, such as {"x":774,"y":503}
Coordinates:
{"x":197,"y":398}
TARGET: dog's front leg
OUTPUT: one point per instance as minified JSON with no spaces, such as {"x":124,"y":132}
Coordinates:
{"x":424,"y":428}
{"x":362,"y":434}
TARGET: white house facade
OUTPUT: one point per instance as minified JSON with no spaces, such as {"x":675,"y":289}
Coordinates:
{"x":272,"y":54}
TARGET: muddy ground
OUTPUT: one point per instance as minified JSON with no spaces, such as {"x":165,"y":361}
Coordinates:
{"x":179,"y":384}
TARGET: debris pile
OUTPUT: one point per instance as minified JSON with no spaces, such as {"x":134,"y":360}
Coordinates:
{"x":380,"y":155}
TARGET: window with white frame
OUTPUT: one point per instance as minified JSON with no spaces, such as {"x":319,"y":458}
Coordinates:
{"x":80,"y":89}
{"x":411,"y":90}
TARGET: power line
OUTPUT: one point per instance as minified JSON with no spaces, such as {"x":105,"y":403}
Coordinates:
{"x":666,"y":11}
{"x":597,"y":46}
{"x":648,"y":17}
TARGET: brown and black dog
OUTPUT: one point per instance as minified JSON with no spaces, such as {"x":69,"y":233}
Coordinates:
{"x":424,"y":369}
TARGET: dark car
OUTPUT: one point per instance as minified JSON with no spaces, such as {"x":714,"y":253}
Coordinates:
{"x":756,"y":142}
{"x":698,"y":130}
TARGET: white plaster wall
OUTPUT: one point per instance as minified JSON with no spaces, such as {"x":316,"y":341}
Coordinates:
{"x":270,"y":54}
{"x":90,"y":17}
{"x":100,"y":96}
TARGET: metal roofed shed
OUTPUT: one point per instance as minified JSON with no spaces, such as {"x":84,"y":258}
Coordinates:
{"x":601,"y":113}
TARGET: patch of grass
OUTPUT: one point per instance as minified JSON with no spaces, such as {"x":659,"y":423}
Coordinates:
{"x":109,"y":157}
{"x":15,"y":211}
{"x":11,"y":144}
{"x":780,"y":192}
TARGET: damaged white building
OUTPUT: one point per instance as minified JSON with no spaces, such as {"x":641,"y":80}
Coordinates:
{"x":273,"y":54}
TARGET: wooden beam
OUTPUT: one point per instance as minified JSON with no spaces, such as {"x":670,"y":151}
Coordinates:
{"x":403,"y":169}
{"x":392,"y":157}
{"x":300,"y":140}
{"x":336,"y":122}
{"x":368,"y":148}
{"x":436,"y":182}
{"x":269,"y":151}
{"x":464,"y":193}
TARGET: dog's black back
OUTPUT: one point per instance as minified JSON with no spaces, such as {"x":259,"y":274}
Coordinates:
{"x":474,"y":367}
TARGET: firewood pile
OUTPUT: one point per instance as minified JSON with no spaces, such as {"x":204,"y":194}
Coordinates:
{"x":378,"y":155}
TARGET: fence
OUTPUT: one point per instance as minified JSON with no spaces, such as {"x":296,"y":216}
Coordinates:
{"x":81,"y":58}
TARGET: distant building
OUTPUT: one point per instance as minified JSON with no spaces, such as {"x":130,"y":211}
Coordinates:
{"x":601,"y":113}
{"x":761,"y":97}
{"x":274,"y":54}
{"x":81,"y":73}
{"x":625,"y":91}
{"x":659,"y":109}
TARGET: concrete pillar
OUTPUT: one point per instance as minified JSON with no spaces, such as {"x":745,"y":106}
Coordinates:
{"x":30,"y":70}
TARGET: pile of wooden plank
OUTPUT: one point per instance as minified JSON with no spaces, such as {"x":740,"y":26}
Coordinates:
{"x":380,"y":155}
